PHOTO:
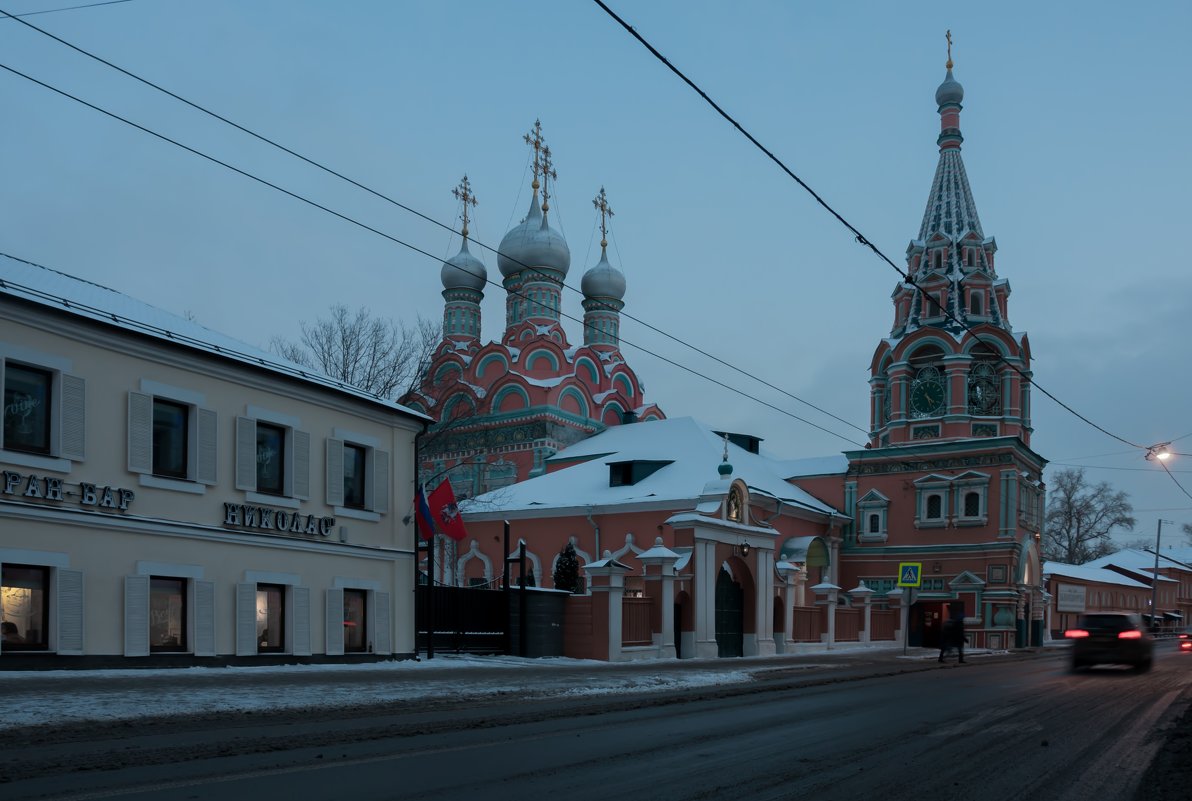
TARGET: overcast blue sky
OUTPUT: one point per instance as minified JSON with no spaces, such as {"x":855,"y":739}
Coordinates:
{"x":1075,"y":119}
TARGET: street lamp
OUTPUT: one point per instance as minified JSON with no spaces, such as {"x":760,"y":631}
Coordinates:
{"x":1160,"y":451}
{"x":1155,"y":577}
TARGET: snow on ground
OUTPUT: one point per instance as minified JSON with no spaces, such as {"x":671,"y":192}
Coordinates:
{"x":66,"y":696}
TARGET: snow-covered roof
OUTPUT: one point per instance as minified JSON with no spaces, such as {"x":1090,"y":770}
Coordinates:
{"x":1138,"y":560}
{"x":834,"y":465}
{"x":692,"y":450}
{"x":1099,"y":575}
{"x":66,"y":293}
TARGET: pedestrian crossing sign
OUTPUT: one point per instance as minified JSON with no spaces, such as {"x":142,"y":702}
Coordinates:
{"x":910,"y":574}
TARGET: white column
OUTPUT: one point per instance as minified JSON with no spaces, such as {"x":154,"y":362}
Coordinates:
{"x":764,"y":602}
{"x":706,"y":570}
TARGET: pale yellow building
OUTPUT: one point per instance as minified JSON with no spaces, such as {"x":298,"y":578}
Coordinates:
{"x":170,"y":494}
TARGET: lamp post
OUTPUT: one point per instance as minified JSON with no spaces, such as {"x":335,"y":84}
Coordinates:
{"x":1155,"y":576}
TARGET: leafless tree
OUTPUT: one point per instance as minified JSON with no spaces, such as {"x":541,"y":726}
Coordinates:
{"x":1081,"y":517}
{"x":374,"y":354}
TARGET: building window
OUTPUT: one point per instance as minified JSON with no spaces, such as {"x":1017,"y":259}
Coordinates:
{"x":355,"y":630}
{"x":271,"y":454}
{"x":271,"y":618}
{"x":170,"y":434}
{"x":933,"y":507}
{"x":875,"y":523}
{"x":975,"y":304}
{"x":24,"y":607}
{"x":167,"y":615}
{"x":972,"y":504}
{"x":355,"y":458}
{"x":28,"y":393}
{"x":273,"y":457}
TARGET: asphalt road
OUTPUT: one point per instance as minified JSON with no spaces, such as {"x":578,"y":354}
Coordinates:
{"x":992,"y":729}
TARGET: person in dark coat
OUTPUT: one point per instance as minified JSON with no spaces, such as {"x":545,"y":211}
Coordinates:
{"x":953,"y":636}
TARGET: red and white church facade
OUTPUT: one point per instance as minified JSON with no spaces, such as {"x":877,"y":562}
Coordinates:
{"x":703,"y":545}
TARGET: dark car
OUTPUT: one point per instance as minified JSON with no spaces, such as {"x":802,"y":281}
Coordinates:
{"x":1111,"y":638}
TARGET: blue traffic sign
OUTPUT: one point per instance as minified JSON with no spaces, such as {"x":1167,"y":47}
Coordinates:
{"x":910,"y":574}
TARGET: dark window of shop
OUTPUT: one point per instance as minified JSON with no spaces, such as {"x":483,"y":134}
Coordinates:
{"x":355,"y":631}
{"x":167,"y":614}
{"x":170,"y":431}
{"x":27,"y":397}
{"x":354,"y":470}
{"x":271,"y":618}
{"x":271,"y":454}
{"x":24,"y":607}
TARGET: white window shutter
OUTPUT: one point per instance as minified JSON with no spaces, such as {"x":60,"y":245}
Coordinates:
{"x":136,"y":616}
{"x":246,"y":459}
{"x":335,"y":472}
{"x":380,"y":482}
{"x":73,"y":444}
{"x":70,"y":610}
{"x":301,"y":465}
{"x":204,"y":643}
{"x":335,"y":622}
{"x":382,"y":641}
{"x":301,"y":621}
{"x":208,"y":424}
{"x":140,"y":433}
{"x":246,"y":619}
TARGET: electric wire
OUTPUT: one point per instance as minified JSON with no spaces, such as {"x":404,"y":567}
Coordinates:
{"x":422,"y":216}
{"x":66,"y":8}
{"x":405,"y":244}
{"x":860,"y":238}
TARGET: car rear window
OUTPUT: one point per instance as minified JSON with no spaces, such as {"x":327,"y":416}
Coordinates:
{"x":1108,"y":622}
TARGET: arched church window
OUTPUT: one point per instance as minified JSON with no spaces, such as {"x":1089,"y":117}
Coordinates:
{"x":875,"y":523}
{"x":975,"y":304}
{"x":935,"y":507}
{"x":972,"y":504}
{"x":984,"y":384}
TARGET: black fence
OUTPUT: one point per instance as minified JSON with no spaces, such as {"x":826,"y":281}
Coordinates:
{"x":465,"y":620}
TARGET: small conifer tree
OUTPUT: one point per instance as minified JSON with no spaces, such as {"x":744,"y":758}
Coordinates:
{"x":567,"y":570}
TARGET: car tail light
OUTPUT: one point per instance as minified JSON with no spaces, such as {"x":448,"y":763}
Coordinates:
{"x":1130,"y":635}
{"x":1186,"y":645}
{"x":1075,"y":634}
{"x":1184,"y":636}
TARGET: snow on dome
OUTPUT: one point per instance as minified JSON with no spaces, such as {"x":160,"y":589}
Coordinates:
{"x":603,"y":280}
{"x":464,"y":271}
{"x":533,"y":243}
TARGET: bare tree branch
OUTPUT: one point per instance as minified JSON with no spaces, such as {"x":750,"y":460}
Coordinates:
{"x":374,"y":354}
{"x":1081,"y":517}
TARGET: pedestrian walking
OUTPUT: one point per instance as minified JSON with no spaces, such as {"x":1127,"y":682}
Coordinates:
{"x":953,"y":636}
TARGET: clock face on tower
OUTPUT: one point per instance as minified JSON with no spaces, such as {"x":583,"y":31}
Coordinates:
{"x":927,"y":393}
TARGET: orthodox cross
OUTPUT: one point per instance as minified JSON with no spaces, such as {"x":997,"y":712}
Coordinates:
{"x":534,"y":140}
{"x":948,"y":36}
{"x":606,"y":211}
{"x":548,"y":172}
{"x":463,"y":193}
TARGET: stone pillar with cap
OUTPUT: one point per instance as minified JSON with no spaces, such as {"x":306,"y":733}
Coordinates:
{"x":606,"y":577}
{"x":659,"y":567}
{"x":828,"y":594}
{"x":788,"y":574}
{"x":864,"y":595}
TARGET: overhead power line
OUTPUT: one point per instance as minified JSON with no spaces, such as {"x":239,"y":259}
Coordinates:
{"x":419,"y":214}
{"x":860,"y":238}
{"x":403,"y":243}
{"x":66,"y":8}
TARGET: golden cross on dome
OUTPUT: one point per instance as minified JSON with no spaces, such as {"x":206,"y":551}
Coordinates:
{"x":534,"y":140}
{"x":606,"y":211}
{"x":948,"y":36}
{"x":548,"y":172}
{"x":463,"y":193}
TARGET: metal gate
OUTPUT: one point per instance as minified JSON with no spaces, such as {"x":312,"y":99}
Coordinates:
{"x":462,"y":619}
{"x":730,"y":614}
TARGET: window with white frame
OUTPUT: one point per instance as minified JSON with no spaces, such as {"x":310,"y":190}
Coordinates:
{"x":272,"y":615}
{"x":168,"y":609}
{"x":358,"y":618}
{"x":971,"y":490}
{"x":171,"y":438}
{"x":272,"y":457}
{"x":872,"y":511}
{"x":357,"y":475}
{"x":43,"y":410}
{"x":931,"y":502}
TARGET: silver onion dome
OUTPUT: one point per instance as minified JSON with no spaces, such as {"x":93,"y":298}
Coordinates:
{"x":464,"y":271}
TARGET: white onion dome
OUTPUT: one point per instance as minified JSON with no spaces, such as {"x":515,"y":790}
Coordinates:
{"x":533,"y":243}
{"x":603,"y":280}
{"x":464,"y":271}
{"x":950,"y":91}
